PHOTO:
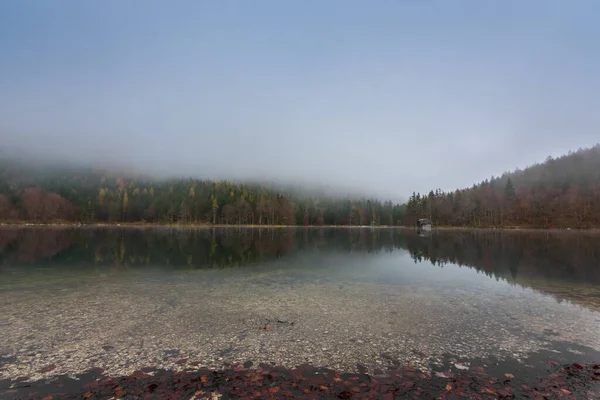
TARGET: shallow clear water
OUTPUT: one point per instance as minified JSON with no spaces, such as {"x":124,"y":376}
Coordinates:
{"x":127,"y":298}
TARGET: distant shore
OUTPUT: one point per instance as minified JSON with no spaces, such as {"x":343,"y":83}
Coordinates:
{"x":201,"y":225}
{"x":180,"y":225}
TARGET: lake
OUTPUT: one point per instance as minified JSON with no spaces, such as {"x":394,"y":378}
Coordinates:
{"x":345,"y":299}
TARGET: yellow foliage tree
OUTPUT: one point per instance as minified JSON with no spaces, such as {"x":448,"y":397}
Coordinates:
{"x":125,"y":203}
{"x":215,"y":207}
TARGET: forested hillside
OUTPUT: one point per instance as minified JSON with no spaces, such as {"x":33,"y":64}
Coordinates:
{"x":65,"y":193}
{"x":561,"y":192}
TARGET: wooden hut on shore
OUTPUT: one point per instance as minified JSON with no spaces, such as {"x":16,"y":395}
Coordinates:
{"x":424,"y":224}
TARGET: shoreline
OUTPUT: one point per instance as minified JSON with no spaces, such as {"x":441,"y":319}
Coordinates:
{"x":568,"y":380}
{"x":200,"y":225}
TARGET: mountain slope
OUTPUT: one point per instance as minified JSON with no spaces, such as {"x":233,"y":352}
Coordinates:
{"x":560,"y":192}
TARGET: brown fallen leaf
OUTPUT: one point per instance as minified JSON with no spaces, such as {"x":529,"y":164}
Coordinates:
{"x":119,"y":392}
{"x":510,"y":376}
{"x":324,"y":388}
{"x":565,"y":391}
{"x":448,"y":387}
{"x":274,"y":390}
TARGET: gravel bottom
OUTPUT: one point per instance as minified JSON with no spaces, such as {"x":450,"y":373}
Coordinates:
{"x":125,"y":325}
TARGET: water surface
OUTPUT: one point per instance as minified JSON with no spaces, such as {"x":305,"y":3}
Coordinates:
{"x":121,"y":299}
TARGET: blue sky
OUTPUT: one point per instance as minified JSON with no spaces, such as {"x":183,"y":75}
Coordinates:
{"x":386,"y":97}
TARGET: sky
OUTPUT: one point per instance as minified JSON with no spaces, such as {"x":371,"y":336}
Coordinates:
{"x":383,"y":97}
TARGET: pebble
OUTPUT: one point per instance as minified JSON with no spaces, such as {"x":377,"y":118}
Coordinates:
{"x":209,"y":321}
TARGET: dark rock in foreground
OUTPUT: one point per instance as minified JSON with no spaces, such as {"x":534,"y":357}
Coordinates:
{"x":574,"y":381}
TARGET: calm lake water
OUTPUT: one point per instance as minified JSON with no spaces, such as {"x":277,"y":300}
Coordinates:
{"x":121,"y":299}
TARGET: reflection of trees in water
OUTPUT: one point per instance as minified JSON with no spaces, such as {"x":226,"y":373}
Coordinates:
{"x":550,"y":256}
{"x":563,"y":265}
{"x":29,"y":245}
{"x":514,"y":256}
{"x":194,"y":248}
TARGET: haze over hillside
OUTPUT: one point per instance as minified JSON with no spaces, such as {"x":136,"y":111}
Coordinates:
{"x":562,"y":192}
{"x":381,"y":99}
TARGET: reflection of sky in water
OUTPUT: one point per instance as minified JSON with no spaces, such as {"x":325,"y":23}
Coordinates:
{"x":396,"y":268}
{"x":562,"y":265}
{"x":384,"y":298}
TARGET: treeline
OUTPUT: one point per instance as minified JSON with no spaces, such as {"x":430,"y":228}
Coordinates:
{"x":43,"y":195}
{"x":562,"y":192}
